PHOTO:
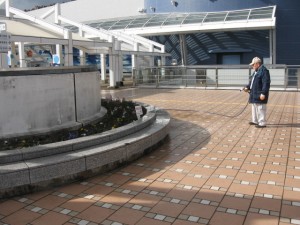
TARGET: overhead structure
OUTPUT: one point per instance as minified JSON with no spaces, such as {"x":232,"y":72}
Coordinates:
{"x":88,"y":40}
{"x":183,"y":23}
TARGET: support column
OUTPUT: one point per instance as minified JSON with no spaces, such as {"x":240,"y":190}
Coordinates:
{"x":58,"y":52}
{"x":82,"y":57}
{"x":57,"y":13}
{"x":103,"y":66}
{"x":134,"y":58}
{"x":119,"y":62}
{"x":22,"y":54}
{"x":7,"y":5}
{"x":68,"y":49}
{"x":183,"y":49}
{"x":274,"y":61}
{"x":112,"y":69}
{"x":151,"y":60}
{"x":12,"y":55}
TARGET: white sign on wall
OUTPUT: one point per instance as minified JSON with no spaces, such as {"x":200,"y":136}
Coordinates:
{"x":5,"y":42}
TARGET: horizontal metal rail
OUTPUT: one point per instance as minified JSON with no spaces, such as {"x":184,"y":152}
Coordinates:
{"x":283,"y":77}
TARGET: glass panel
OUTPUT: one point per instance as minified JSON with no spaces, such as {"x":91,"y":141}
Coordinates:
{"x":240,"y":15}
{"x":174,"y":20}
{"x":194,"y":18}
{"x":215,"y":17}
{"x":261,"y":13}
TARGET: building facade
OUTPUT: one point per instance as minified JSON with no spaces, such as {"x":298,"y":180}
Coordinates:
{"x":234,"y":47}
{"x":277,"y":45}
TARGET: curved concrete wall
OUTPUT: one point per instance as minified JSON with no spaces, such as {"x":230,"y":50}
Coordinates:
{"x":41,"y":100}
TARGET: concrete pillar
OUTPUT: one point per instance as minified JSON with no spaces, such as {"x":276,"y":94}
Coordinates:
{"x":82,"y":57}
{"x":12,"y":56}
{"x":58,"y":51}
{"x":68,"y":49}
{"x":22,"y":54}
{"x":183,"y":49}
{"x":134,"y":56}
{"x":151,"y":58}
{"x":112,"y":69}
{"x":57,"y":13}
{"x":7,"y":5}
{"x":103,"y":66}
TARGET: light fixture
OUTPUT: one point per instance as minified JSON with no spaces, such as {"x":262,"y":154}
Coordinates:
{"x":175,"y":3}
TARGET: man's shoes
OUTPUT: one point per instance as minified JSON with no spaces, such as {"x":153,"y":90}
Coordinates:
{"x":260,"y":126}
{"x":251,"y":123}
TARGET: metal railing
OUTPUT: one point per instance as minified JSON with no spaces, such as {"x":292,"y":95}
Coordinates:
{"x":283,"y":77}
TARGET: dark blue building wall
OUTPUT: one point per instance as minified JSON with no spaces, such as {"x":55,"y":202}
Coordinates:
{"x":287,"y":29}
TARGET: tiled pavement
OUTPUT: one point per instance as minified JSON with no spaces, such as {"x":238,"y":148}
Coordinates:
{"x":214,"y":168}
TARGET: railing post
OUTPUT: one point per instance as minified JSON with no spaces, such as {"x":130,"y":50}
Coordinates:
{"x":217,"y":78}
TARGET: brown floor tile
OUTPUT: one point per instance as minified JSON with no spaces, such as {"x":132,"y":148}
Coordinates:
{"x":117,"y":198}
{"x":183,"y":222}
{"x":211,"y":195}
{"x":221,"y":218}
{"x":178,"y":193}
{"x":272,"y":177}
{"x":259,"y":219}
{"x":167,"y":209}
{"x":38,"y":195}
{"x":173,"y":175}
{"x":236,"y":203}
{"x":292,"y":182}
{"x":135,"y":186}
{"x":227,"y":172}
{"x":51,"y":218}
{"x":192,"y":181}
{"x":269,"y":189}
{"x":247,"y":177}
{"x":266,"y":203}
{"x":145,"y":200}
{"x":50,"y":202}
{"x":199,"y":210}
{"x":21,"y":217}
{"x":95,"y":214}
{"x":99,"y":190}
{"x":161,"y":187}
{"x":73,"y":189}
{"x":149,"y":221}
{"x":127,"y":216}
{"x":10,"y":206}
{"x":78,"y":204}
{"x":242,"y":189}
{"x":292,"y":212}
{"x":225,"y":183}
{"x":117,"y":179}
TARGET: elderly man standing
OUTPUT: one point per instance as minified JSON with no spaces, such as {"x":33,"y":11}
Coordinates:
{"x":258,"y":89}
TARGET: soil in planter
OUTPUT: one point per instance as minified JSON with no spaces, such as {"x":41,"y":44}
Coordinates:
{"x":119,"y":113}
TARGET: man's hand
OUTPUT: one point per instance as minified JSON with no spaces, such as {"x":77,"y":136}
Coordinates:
{"x":262,"y":97}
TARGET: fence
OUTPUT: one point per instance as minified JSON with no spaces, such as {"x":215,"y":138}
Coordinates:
{"x":217,"y":76}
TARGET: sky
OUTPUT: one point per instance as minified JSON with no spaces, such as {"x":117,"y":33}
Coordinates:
{"x":29,"y":4}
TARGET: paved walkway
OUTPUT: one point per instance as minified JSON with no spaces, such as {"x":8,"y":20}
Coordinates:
{"x":213,"y":169}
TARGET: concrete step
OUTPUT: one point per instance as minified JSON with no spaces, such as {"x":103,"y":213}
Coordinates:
{"x":28,"y":170}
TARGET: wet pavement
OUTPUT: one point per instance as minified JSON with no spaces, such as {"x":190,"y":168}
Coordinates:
{"x":214,"y":168}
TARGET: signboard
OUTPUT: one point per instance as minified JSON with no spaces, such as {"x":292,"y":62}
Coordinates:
{"x":56,"y":59}
{"x":5,"y":39}
{"x":2,"y":26}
